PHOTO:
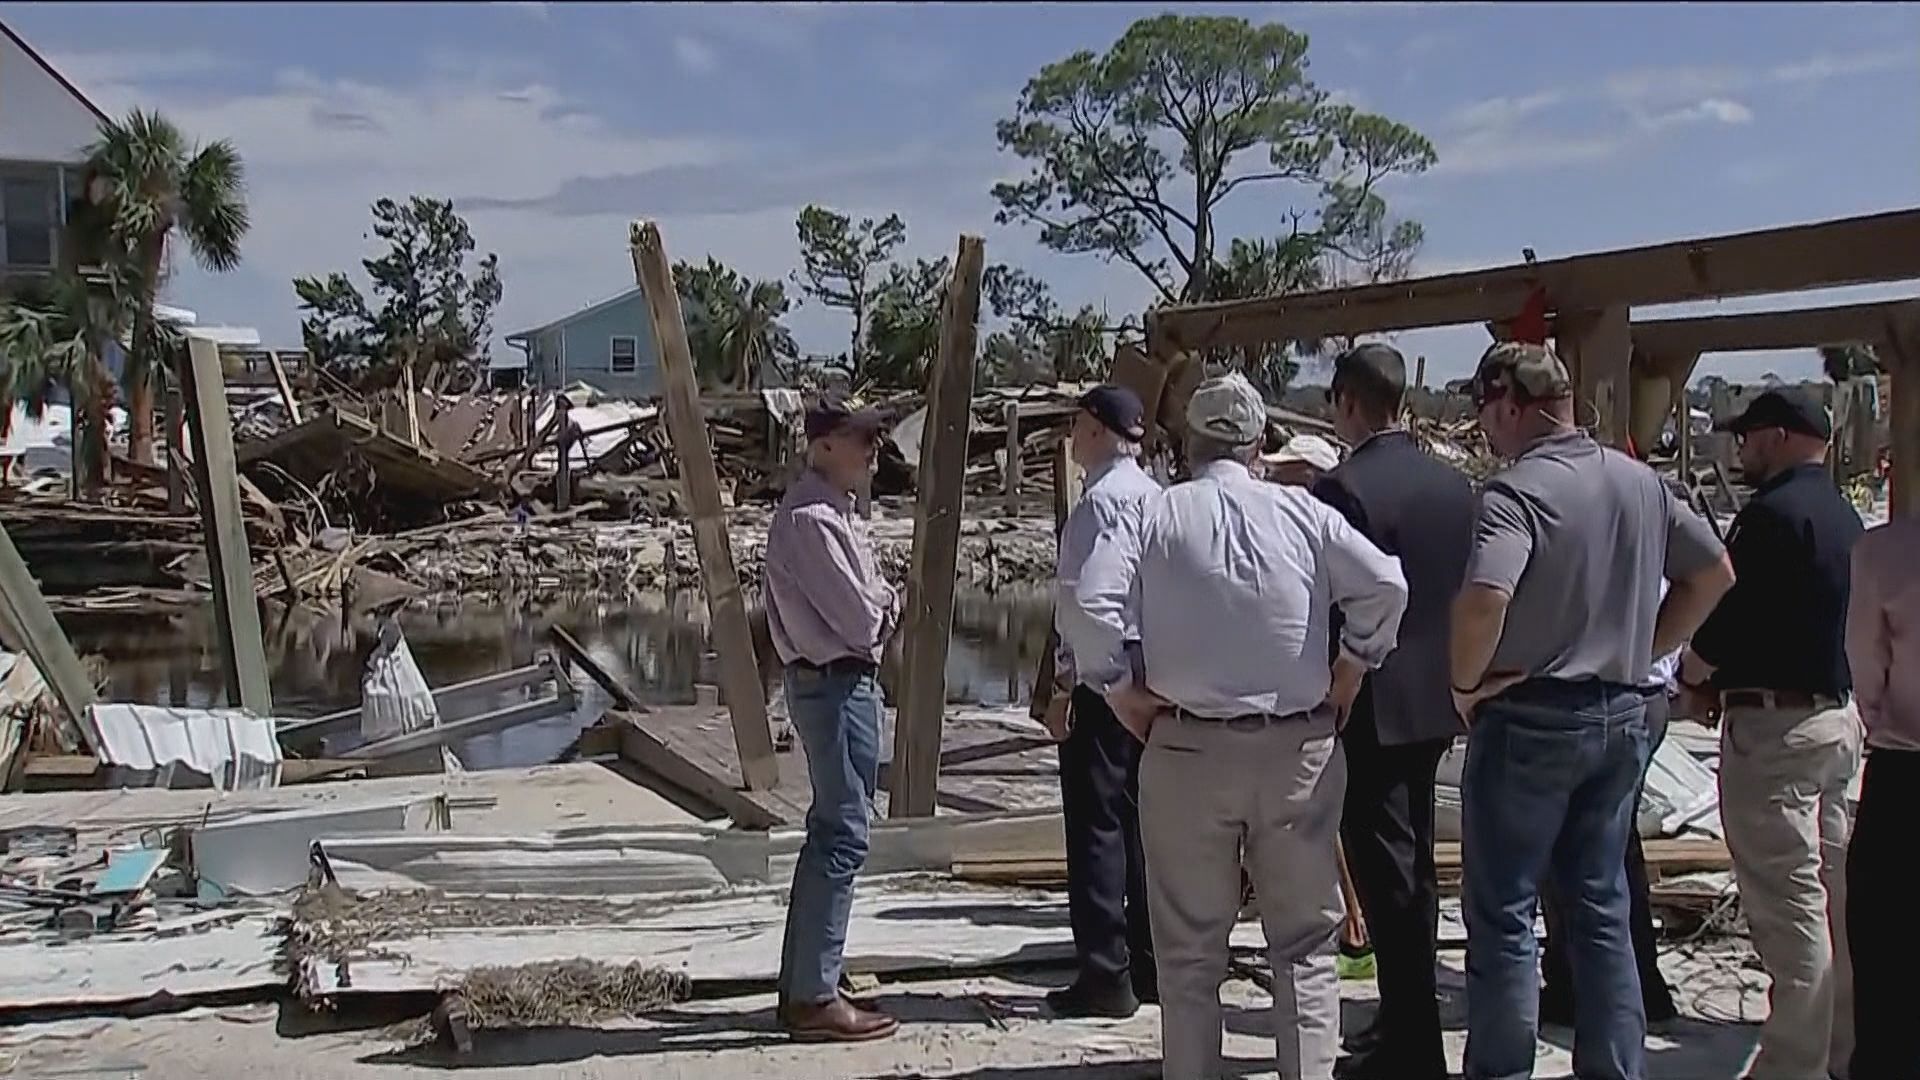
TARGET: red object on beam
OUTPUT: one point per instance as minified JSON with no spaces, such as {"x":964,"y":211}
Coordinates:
{"x":1530,"y":326}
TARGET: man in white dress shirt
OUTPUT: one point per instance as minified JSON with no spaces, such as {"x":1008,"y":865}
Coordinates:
{"x":1231,"y":582}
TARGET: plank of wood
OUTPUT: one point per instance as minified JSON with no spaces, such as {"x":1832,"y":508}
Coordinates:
{"x":936,"y":543}
{"x":242,"y":653}
{"x":176,"y":421}
{"x":285,"y":387}
{"x":1903,"y":426}
{"x":647,"y":751}
{"x":1010,"y":468}
{"x":700,"y":481}
{"x":1597,"y":347}
{"x":1755,"y":331}
{"x":1827,"y":254}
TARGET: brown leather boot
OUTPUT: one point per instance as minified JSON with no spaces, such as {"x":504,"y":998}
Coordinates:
{"x":838,"y":1020}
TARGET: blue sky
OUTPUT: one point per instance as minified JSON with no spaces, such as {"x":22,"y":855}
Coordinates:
{"x":1561,"y":128}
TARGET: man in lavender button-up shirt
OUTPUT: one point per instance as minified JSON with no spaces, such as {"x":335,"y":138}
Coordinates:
{"x":830,"y":615}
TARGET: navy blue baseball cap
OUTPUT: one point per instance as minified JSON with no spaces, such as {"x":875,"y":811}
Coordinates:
{"x":1118,"y":408}
{"x":1789,"y":408}
{"x":832,"y":414}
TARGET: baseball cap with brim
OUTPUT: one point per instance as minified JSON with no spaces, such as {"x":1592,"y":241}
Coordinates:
{"x":1228,"y":408}
{"x":1118,"y":409}
{"x":1532,"y":370}
{"x":832,"y":415}
{"x":1790,"y":410}
{"x":1308,"y":449}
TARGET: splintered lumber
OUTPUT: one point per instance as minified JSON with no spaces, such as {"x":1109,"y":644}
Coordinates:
{"x":242,"y":653}
{"x":30,"y":628}
{"x":936,"y":543}
{"x":700,"y":482}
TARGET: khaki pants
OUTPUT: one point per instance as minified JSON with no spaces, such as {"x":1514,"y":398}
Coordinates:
{"x":1209,"y":791}
{"x":1783,"y":803}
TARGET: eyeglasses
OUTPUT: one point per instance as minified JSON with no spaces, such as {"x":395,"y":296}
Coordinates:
{"x":1485,"y":393}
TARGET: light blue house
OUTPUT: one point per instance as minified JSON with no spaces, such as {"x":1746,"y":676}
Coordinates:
{"x":609,"y":346}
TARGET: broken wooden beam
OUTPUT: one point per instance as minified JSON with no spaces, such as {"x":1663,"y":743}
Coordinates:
{"x":242,"y":653}
{"x":32,"y":630}
{"x":1827,"y":254}
{"x":936,"y":543}
{"x":1757,"y":331}
{"x":700,"y":482}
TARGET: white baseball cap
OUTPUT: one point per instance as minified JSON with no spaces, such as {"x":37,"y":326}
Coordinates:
{"x":1312,"y":449}
{"x":1228,"y":408}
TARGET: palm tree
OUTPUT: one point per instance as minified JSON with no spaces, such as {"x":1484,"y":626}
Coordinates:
{"x":734,"y":327}
{"x":52,"y":336}
{"x":145,"y":185}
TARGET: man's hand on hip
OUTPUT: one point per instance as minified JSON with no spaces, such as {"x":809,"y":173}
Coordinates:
{"x":1343,"y":688}
{"x":1059,"y":716}
{"x":1466,"y":703}
{"x":1136,"y":707}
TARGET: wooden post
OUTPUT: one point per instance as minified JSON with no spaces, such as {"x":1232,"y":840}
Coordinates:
{"x":936,"y":543}
{"x":175,"y":419}
{"x":1598,"y":348}
{"x":1066,"y":492}
{"x":29,"y":622}
{"x":286,"y":388}
{"x":243,"y":655}
{"x":1011,"y":477}
{"x":1683,"y":435}
{"x":1903,"y":426}
{"x":563,"y":476}
{"x":1419,"y":372}
{"x":700,"y":484}
{"x":413,"y":406}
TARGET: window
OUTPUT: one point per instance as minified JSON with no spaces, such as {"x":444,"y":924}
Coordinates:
{"x":626,"y":354}
{"x":26,"y":221}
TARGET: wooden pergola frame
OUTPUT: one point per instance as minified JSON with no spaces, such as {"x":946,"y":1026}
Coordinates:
{"x":1589,"y":301}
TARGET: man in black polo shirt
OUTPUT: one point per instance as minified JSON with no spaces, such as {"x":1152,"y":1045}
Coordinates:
{"x":1772,"y":658}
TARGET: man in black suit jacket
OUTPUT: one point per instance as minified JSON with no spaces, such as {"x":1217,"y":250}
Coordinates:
{"x":1421,"y":510}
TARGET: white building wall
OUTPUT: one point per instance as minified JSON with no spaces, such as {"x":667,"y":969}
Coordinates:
{"x":40,"y":119}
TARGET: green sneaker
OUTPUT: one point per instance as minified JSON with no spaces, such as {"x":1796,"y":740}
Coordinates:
{"x":1356,"y":966}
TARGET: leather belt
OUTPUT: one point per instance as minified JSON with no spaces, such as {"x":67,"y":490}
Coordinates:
{"x":1778,"y":699}
{"x":846,"y":665}
{"x":1244,"y":721}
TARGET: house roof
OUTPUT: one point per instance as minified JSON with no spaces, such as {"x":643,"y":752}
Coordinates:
{"x":591,"y":309}
{"x":65,"y":83}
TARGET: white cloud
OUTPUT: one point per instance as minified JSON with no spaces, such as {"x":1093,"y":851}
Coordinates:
{"x":1710,"y":110}
{"x":695,"y":55}
{"x":320,"y":150}
{"x":1505,"y":111}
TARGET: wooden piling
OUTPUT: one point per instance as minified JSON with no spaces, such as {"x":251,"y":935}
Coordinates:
{"x":700,"y":484}
{"x":936,"y":542}
{"x":1010,"y":477}
{"x":242,"y":653}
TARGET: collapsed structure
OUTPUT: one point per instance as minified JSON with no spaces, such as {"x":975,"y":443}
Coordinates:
{"x":399,"y":897}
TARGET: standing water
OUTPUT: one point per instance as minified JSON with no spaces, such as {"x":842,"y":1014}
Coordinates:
{"x":655,"y":644}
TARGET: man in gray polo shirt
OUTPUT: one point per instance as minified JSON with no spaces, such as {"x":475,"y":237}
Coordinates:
{"x":1554,"y":634}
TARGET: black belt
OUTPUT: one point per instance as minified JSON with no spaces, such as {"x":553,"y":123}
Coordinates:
{"x":1243,"y":721}
{"x":846,"y":665}
{"x":1778,"y":699}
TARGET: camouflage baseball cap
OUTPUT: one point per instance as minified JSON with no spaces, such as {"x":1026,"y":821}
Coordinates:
{"x":1531,"y":369}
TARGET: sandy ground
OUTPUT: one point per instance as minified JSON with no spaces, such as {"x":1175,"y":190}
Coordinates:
{"x":962,"y":1029}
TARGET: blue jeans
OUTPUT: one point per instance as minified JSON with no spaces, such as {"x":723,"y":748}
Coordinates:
{"x":1552,"y":774}
{"x":837,"y":719}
